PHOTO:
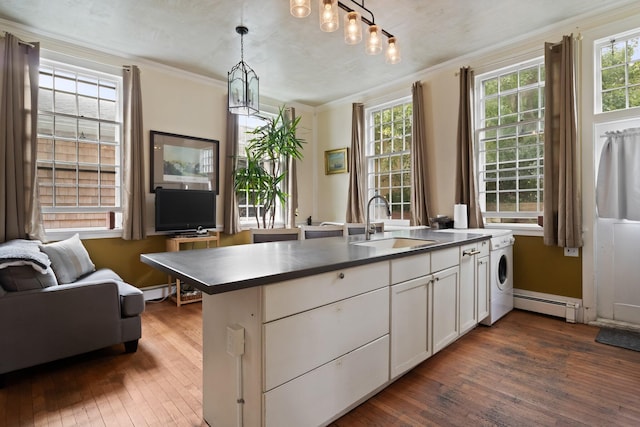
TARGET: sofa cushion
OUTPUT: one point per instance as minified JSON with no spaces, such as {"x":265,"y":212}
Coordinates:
{"x":69,"y":259}
{"x":25,"y":278}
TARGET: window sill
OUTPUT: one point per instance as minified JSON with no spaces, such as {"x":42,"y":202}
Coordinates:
{"x":519,"y":229}
{"x":85,"y":234}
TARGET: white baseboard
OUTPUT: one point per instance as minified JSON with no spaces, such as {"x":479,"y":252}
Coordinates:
{"x":568,"y":308}
{"x":158,"y":291}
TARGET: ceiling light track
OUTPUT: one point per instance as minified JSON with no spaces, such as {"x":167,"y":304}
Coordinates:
{"x":329,"y":22}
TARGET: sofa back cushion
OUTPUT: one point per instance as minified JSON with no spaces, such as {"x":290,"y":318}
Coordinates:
{"x":25,"y":278}
{"x":69,"y":259}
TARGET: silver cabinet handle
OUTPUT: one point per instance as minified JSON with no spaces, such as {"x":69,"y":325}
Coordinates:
{"x":470,"y":252}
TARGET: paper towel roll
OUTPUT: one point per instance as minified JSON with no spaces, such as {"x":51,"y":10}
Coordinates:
{"x":460,"y":216}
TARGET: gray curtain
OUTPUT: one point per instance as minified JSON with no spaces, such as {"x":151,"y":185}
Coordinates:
{"x":466,"y":187}
{"x":133,"y":188}
{"x":419,"y":176}
{"x":231,"y":218}
{"x":356,"y":196}
{"x":562,"y":209}
{"x":20,"y":215}
{"x":292,"y":185}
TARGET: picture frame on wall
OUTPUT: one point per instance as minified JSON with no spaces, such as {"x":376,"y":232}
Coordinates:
{"x":336,"y":161}
{"x":184,"y":162}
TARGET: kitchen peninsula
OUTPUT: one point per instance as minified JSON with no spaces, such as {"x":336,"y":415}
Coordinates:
{"x":299,"y":332}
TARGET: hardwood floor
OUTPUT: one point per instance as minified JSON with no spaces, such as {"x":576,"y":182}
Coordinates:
{"x":526,"y":370}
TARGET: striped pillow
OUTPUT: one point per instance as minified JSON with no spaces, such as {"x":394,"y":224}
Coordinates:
{"x":69,"y":259}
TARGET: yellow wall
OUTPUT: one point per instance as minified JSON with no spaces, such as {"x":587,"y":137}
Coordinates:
{"x":545,"y":269}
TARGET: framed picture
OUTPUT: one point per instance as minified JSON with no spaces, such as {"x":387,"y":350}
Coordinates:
{"x":336,"y":161}
{"x":184,"y":162}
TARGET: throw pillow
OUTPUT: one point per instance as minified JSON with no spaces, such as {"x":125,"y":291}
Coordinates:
{"x":25,"y":278}
{"x":69,"y":259}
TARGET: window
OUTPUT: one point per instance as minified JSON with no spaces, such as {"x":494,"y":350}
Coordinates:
{"x":78,"y":159}
{"x":388,"y":156}
{"x":618,"y":72}
{"x":510,"y":135}
{"x":247,"y":210}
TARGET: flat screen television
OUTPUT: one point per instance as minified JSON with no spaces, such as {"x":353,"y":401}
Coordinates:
{"x":184,"y":211}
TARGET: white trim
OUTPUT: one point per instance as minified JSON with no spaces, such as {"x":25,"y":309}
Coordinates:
{"x":158,"y":292}
{"x":571,"y":309}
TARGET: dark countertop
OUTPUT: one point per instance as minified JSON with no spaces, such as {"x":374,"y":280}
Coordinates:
{"x":230,"y":268}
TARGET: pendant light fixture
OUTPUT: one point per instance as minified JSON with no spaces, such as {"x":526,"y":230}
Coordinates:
{"x":328,"y":14}
{"x":300,"y":8}
{"x":243,"y":84}
{"x":329,"y":18}
{"x":392,"y":55}
{"x":352,"y":28}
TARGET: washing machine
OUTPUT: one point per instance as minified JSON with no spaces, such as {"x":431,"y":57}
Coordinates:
{"x":501,"y":275}
{"x":500,"y":270}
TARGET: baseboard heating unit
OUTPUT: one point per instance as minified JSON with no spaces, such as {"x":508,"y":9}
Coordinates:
{"x":553,"y":305}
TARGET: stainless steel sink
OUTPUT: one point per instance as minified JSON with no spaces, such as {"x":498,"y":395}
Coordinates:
{"x":396,"y":243}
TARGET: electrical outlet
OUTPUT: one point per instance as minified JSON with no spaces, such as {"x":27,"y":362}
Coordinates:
{"x":574,"y":252}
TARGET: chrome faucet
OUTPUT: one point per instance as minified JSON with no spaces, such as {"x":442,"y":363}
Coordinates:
{"x":367,"y":227}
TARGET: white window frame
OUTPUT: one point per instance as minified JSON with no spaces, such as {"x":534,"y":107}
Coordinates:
{"x":598,"y":45}
{"x":118,"y":123}
{"x":373,"y":177}
{"x":248,"y":222}
{"x":511,"y":217}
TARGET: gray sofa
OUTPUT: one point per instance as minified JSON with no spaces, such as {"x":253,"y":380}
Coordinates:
{"x":42,"y":324}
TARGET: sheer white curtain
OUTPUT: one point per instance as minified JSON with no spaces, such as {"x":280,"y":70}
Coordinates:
{"x":618,"y":185}
{"x":292,"y":185}
{"x":133,"y":189}
{"x":20,"y":215}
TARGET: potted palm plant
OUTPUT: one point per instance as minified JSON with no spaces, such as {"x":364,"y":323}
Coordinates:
{"x":265,"y":169}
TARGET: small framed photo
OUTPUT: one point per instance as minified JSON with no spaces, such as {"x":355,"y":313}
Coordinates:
{"x":336,"y":161}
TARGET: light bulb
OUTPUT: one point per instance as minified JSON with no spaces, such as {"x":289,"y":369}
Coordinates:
{"x":328,"y":15}
{"x":392,"y":55}
{"x":300,"y":8}
{"x":374,"y":43}
{"x":352,"y":28}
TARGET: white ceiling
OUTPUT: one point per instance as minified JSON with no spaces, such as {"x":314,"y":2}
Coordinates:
{"x":296,"y":62}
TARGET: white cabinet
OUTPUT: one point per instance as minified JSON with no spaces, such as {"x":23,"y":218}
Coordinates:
{"x":315,"y":398}
{"x":410,"y":326}
{"x":445,"y":308}
{"x":483,"y":281}
{"x":468,"y":289}
{"x":327,"y":345}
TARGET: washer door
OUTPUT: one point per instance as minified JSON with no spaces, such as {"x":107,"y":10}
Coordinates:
{"x":502,"y":271}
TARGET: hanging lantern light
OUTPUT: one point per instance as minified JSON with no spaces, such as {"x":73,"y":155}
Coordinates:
{"x":243,"y":84}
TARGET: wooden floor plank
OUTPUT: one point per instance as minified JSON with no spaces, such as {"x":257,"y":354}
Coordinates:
{"x":526,"y":370}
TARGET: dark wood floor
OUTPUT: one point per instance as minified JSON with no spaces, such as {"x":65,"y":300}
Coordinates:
{"x":527,"y":370}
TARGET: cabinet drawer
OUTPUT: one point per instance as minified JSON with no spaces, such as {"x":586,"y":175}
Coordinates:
{"x":297,"y":295}
{"x":316,"y":397}
{"x":444,"y":258}
{"x":297,"y":344}
{"x":410,"y":267}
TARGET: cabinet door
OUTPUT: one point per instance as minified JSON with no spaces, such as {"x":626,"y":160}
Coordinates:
{"x":468,"y":317}
{"x":445,"y":308}
{"x":410,"y":340}
{"x":482,"y":273}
